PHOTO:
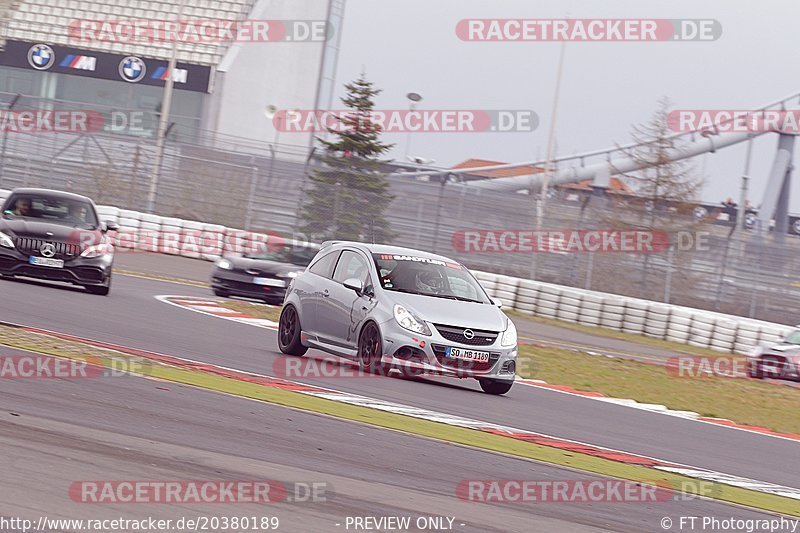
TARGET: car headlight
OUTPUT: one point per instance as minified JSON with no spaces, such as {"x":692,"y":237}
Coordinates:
{"x":6,"y":241}
{"x":408,"y":321}
{"x":294,"y":274}
{"x":509,"y":337}
{"x":97,"y":250}
{"x":224,"y":264}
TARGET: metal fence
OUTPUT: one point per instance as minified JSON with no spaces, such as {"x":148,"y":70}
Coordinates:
{"x":263,"y":187}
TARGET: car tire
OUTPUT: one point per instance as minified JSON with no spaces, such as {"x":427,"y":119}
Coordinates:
{"x":100,"y":290}
{"x":370,"y":348}
{"x":221,"y":293}
{"x":775,"y":367}
{"x":289,"y":332}
{"x":495,"y":386}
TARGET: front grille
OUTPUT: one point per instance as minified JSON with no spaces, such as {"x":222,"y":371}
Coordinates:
{"x":28,"y":245}
{"x":456,"y":334}
{"x":458,"y":364}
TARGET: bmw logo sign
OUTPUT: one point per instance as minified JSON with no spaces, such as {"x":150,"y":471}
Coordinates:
{"x":132,"y":69}
{"x":41,"y":57}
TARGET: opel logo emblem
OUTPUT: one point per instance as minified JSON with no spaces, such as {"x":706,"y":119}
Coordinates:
{"x":469,"y":334}
{"x":48,"y":250}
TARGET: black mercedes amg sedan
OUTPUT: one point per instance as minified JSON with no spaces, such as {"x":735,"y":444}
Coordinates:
{"x":55,"y":236}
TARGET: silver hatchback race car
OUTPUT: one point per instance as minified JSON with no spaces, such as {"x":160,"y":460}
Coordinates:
{"x":395,"y":308}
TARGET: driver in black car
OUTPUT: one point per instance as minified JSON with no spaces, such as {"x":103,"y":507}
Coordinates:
{"x":77,"y":213}
{"x":22,"y":207}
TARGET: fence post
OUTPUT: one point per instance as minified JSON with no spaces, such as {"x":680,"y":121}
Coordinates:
{"x":589,"y":270}
{"x":668,"y":282}
{"x":253,"y":182}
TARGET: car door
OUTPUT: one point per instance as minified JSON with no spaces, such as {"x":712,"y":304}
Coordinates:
{"x":342,"y":310}
{"x":312,"y":287}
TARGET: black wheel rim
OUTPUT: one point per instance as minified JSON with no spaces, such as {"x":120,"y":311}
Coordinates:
{"x":370,"y":346}
{"x":288,"y":326}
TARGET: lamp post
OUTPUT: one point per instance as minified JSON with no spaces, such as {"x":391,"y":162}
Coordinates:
{"x":413,"y":99}
{"x":164,"y":118}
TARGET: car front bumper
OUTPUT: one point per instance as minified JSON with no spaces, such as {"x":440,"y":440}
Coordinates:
{"x":242,"y":284}
{"x":77,"y":270}
{"x":425,"y":354}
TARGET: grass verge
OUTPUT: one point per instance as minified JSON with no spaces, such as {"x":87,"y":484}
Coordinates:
{"x":746,"y":401}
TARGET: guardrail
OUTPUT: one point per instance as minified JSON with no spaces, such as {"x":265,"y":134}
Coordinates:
{"x":695,"y":327}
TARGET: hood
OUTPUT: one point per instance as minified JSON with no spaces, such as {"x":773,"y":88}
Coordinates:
{"x":451,"y":312}
{"x":39,"y":229}
{"x":262,"y":266}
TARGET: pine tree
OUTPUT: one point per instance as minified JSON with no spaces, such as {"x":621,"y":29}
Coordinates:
{"x":349,"y":193}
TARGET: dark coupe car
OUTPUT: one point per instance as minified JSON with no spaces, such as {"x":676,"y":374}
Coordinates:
{"x":56,"y":236}
{"x":262,"y":276}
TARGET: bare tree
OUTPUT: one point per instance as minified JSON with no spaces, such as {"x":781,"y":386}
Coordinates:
{"x":665,"y":196}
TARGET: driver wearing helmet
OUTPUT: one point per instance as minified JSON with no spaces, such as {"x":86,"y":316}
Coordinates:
{"x":430,"y":281}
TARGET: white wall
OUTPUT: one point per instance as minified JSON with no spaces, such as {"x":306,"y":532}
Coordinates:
{"x":259,"y":74}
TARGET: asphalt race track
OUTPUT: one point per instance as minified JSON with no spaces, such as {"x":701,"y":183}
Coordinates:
{"x":135,"y":428}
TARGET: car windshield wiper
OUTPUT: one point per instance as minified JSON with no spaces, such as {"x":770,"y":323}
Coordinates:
{"x":407,"y":291}
{"x":463,"y":299}
{"x":446,"y":296}
{"x":454,"y":297}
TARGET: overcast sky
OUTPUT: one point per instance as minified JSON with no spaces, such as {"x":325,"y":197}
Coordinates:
{"x":411,"y":45}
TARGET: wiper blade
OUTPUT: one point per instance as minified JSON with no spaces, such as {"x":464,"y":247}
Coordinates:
{"x":407,"y":291}
{"x":462,"y":299}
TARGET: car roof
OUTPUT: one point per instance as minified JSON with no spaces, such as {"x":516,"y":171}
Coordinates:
{"x":51,"y":192}
{"x":386,"y":249}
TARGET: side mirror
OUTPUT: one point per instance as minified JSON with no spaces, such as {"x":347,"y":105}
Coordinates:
{"x":110,"y":226}
{"x":354,"y":284}
{"x":497,"y":302}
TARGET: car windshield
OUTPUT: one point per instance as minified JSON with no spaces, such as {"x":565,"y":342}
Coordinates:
{"x":793,"y":337}
{"x":429,"y":277}
{"x":295,"y":255}
{"x":55,"y":209}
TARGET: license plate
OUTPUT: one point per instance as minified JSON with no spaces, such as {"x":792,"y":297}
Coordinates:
{"x":271,"y":282}
{"x":467,"y":355}
{"x":46,"y":262}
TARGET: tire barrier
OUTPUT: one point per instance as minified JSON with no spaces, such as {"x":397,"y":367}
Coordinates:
{"x":694,"y":327}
